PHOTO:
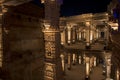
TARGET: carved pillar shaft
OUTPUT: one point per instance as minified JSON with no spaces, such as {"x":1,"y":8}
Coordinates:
{"x":108,"y":64}
{"x":88,"y":34}
{"x":69,"y":35}
{"x":53,"y":65}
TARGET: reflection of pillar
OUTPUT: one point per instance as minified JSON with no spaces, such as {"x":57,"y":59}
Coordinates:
{"x":91,"y":63}
{"x":108,"y":64}
{"x":87,"y":67}
{"x":69,"y":61}
{"x":74,"y":58}
{"x":63,"y":62}
{"x":118,"y":74}
{"x":108,"y":71}
{"x":80,"y":59}
{"x":84,"y":57}
{"x":94,"y":61}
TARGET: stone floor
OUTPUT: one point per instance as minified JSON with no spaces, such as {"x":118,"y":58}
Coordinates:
{"x":77,"y":72}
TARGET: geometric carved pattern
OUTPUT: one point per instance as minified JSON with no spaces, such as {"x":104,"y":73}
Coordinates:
{"x":50,"y":49}
{"x":49,"y":71}
{"x":49,"y":45}
{"x":49,"y":36}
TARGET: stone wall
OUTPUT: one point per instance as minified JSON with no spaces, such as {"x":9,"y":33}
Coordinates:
{"x":23,"y":44}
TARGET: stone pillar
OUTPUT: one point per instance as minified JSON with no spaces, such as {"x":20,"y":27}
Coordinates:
{"x":84,"y":34}
{"x":94,"y":61}
{"x":63,"y":62}
{"x":91,"y":62}
{"x":69,"y":34}
{"x":108,"y":64}
{"x":80,"y":36}
{"x":77,"y":32}
{"x":84,"y":57}
{"x":74,"y":58}
{"x":53,"y":65}
{"x":73,"y":35}
{"x":63,"y":37}
{"x":88,"y":35}
{"x":87,"y":67}
{"x":80,"y":59}
{"x":91,"y":36}
{"x":69,"y":61}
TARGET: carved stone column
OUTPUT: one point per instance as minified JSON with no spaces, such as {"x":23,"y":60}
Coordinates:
{"x":108,"y":64}
{"x":79,"y":59}
{"x":88,"y":35}
{"x":69,"y":34}
{"x":73,"y":35}
{"x":74,"y":58}
{"x":53,"y":65}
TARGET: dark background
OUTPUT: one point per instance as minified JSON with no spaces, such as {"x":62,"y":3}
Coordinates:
{"x":76,"y":7}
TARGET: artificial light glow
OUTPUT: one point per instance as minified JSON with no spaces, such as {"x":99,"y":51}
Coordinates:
{"x":87,"y":23}
{"x":47,"y":27}
{"x":42,"y":1}
{"x":118,"y":76}
{"x":115,"y":28}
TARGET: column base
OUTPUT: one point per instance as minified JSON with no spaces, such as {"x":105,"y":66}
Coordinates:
{"x":108,"y":79}
{"x":88,"y":47}
{"x":87,"y":78}
{"x":69,"y":68}
{"x":73,"y":64}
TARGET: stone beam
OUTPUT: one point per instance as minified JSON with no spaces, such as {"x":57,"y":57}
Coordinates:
{"x":14,"y":2}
